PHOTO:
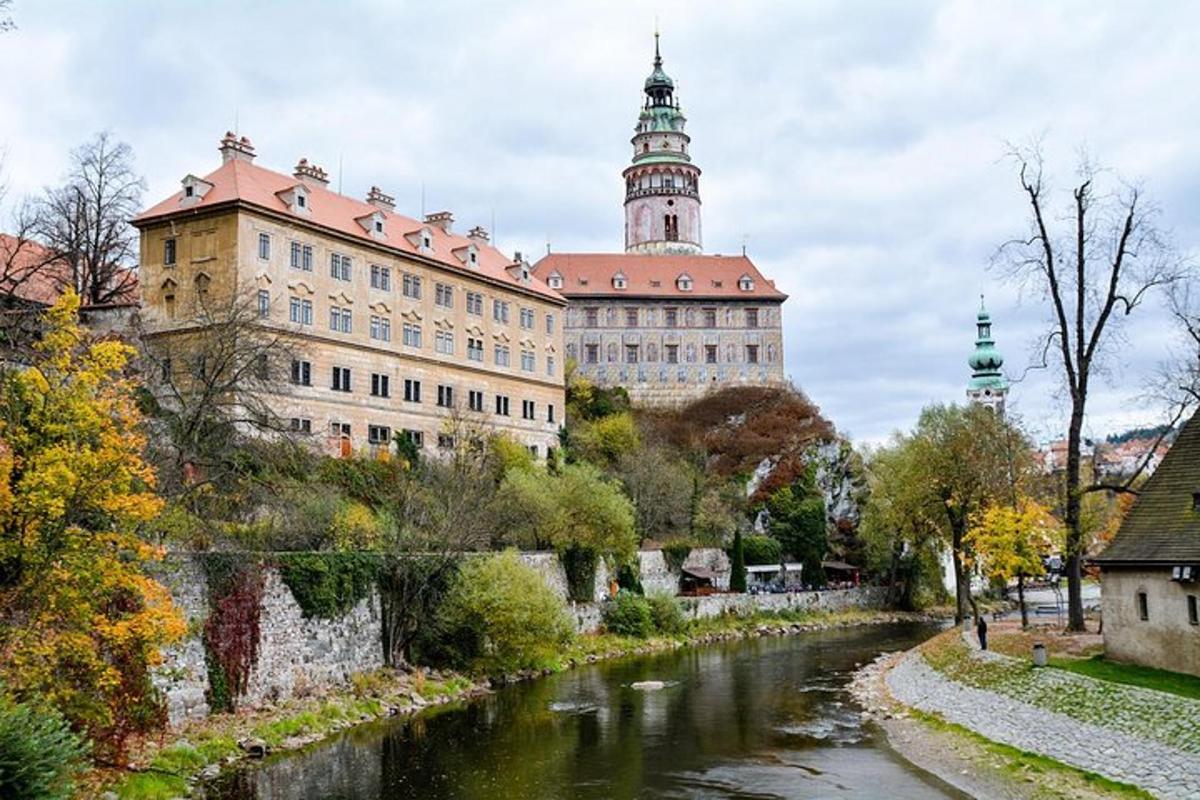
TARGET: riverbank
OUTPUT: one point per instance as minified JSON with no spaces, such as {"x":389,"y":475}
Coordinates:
{"x":1040,"y":728}
{"x":172,"y":765}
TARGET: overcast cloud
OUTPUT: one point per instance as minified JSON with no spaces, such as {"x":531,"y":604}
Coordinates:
{"x":855,"y":148}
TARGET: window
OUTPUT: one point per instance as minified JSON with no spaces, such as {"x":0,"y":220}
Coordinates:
{"x":339,"y":266}
{"x":527,"y":318}
{"x":651,"y":352}
{"x":527,"y":361}
{"x":751,"y":354}
{"x":381,"y":328}
{"x":631,"y":318}
{"x":302,"y":257}
{"x":611,"y":315}
{"x":341,"y":379}
{"x":691,"y":354}
{"x":751,"y":317}
{"x":412,"y":391}
{"x":379,"y":434}
{"x":380,"y":385}
{"x":549,"y":323}
{"x":412,"y":335}
{"x":502,"y":355}
{"x":301,"y":373}
{"x":502,"y":405}
{"x":301,"y":425}
{"x":528,"y":410}
{"x":443,"y":342}
{"x":672,"y":353}
{"x":745,"y":284}
{"x":550,"y":365}
{"x":168,"y":252}
{"x":381,"y":278}
{"x":445,"y":441}
{"x":1193,"y":610}
{"x":592,"y":353}
{"x":671,"y":317}
{"x":411,"y":286}
{"x":416,"y":437}
{"x":301,"y":200}
{"x":550,"y":413}
{"x":264,"y":246}
{"x":445,"y":396}
{"x":475,"y":303}
{"x":631,"y":354}
{"x":591,"y":317}
{"x":474,"y":349}
{"x":339,"y":319}
{"x":710,"y":354}
{"x":689,"y":317}
{"x":500,"y":311}
{"x":300,"y":311}
{"x":264,"y":303}
{"x":339,"y":430}
{"x":443,"y":295}
{"x":1143,"y":606}
{"x":710,"y":318}
{"x":475,"y":400}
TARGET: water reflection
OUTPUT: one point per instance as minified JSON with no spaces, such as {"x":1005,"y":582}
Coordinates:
{"x":766,"y":718}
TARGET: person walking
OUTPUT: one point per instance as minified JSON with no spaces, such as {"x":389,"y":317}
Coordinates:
{"x":981,"y":631}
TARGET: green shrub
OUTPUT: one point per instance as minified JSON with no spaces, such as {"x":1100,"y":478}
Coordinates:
{"x":579,"y":564}
{"x":666,"y":614}
{"x":500,"y":616}
{"x":629,"y":614}
{"x":629,"y":576}
{"x":39,"y":755}
{"x":762,"y":550}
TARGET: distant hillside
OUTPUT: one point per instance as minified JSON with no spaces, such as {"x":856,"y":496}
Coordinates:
{"x":1139,"y":433}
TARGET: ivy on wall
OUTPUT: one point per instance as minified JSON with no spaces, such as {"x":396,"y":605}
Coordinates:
{"x":328,"y":585}
{"x":579,"y":563}
{"x":675,"y":553}
{"x":232,"y":631}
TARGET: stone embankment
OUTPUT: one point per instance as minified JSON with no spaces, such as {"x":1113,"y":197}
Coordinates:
{"x":1136,"y":736}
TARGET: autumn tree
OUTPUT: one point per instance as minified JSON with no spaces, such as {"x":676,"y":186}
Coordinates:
{"x":81,"y":624}
{"x":85,"y":221}
{"x":1094,"y":272}
{"x":796,"y":516}
{"x":1007,"y":541}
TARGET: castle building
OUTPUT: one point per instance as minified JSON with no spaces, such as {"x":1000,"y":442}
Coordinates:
{"x":663,"y":319}
{"x":988,"y":386}
{"x":400,"y":326}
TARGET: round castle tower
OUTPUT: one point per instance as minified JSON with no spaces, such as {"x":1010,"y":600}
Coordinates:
{"x":662,"y":185}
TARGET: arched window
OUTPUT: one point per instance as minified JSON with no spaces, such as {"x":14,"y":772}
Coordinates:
{"x":646,"y":147}
{"x":612,"y":352}
{"x":652,"y":352}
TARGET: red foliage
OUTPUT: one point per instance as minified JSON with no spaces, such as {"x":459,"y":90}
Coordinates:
{"x":231,"y":634}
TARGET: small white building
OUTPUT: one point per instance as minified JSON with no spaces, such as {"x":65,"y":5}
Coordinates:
{"x":765,"y":576}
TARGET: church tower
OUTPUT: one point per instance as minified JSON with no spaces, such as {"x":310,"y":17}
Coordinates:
{"x":988,"y":386}
{"x":662,"y":185}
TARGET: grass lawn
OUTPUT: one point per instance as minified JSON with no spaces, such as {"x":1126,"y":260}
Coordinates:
{"x":1147,"y":678}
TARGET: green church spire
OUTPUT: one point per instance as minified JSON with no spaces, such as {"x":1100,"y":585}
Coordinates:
{"x":988,"y":384}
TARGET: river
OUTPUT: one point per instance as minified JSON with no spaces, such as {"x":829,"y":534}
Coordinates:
{"x":761,"y":718}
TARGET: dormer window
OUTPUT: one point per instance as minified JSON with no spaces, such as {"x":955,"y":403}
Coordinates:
{"x":619,"y":281}
{"x":194,"y":190}
{"x":422,"y":239}
{"x":684,"y":283}
{"x":473,"y":258}
{"x":189,"y":191}
{"x":426,"y":241}
{"x":373,"y":224}
{"x":555,"y":280}
{"x":295,"y":198}
{"x":379,"y":226}
{"x":301,"y":201}
{"x":746,"y":283}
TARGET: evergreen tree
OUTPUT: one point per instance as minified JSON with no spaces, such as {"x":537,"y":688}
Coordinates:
{"x":737,"y":576}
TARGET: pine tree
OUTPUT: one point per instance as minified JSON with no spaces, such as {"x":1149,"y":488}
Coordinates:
{"x":737,"y":576}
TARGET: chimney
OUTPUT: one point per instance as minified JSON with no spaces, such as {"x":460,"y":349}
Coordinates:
{"x":440,"y":219}
{"x":234,"y":149}
{"x":311,"y":174}
{"x":478,"y":235}
{"x":384,"y":202}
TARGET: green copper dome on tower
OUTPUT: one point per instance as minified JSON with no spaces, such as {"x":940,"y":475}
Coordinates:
{"x":986,"y":360}
{"x":659,"y":82}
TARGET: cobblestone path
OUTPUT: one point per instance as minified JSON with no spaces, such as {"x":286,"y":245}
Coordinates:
{"x":1138,"y":736}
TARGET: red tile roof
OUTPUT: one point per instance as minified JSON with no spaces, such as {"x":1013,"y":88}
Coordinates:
{"x":714,"y":277}
{"x":30,"y":272}
{"x":241,"y":180}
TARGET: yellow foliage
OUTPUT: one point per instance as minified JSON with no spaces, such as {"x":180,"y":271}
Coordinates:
{"x":1006,"y":541}
{"x":355,"y":527}
{"x":80,"y":623}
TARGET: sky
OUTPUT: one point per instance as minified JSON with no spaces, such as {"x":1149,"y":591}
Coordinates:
{"x":856,"y":149}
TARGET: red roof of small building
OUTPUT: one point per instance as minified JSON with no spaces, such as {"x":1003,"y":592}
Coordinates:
{"x":713,"y":277}
{"x":239,"y":180}
{"x":30,"y":272}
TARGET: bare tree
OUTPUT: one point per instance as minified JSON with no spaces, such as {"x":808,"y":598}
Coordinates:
{"x":6,"y":20}
{"x":214,"y":376}
{"x":1093,"y":274}
{"x":1179,"y":381}
{"x":86,"y":220}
